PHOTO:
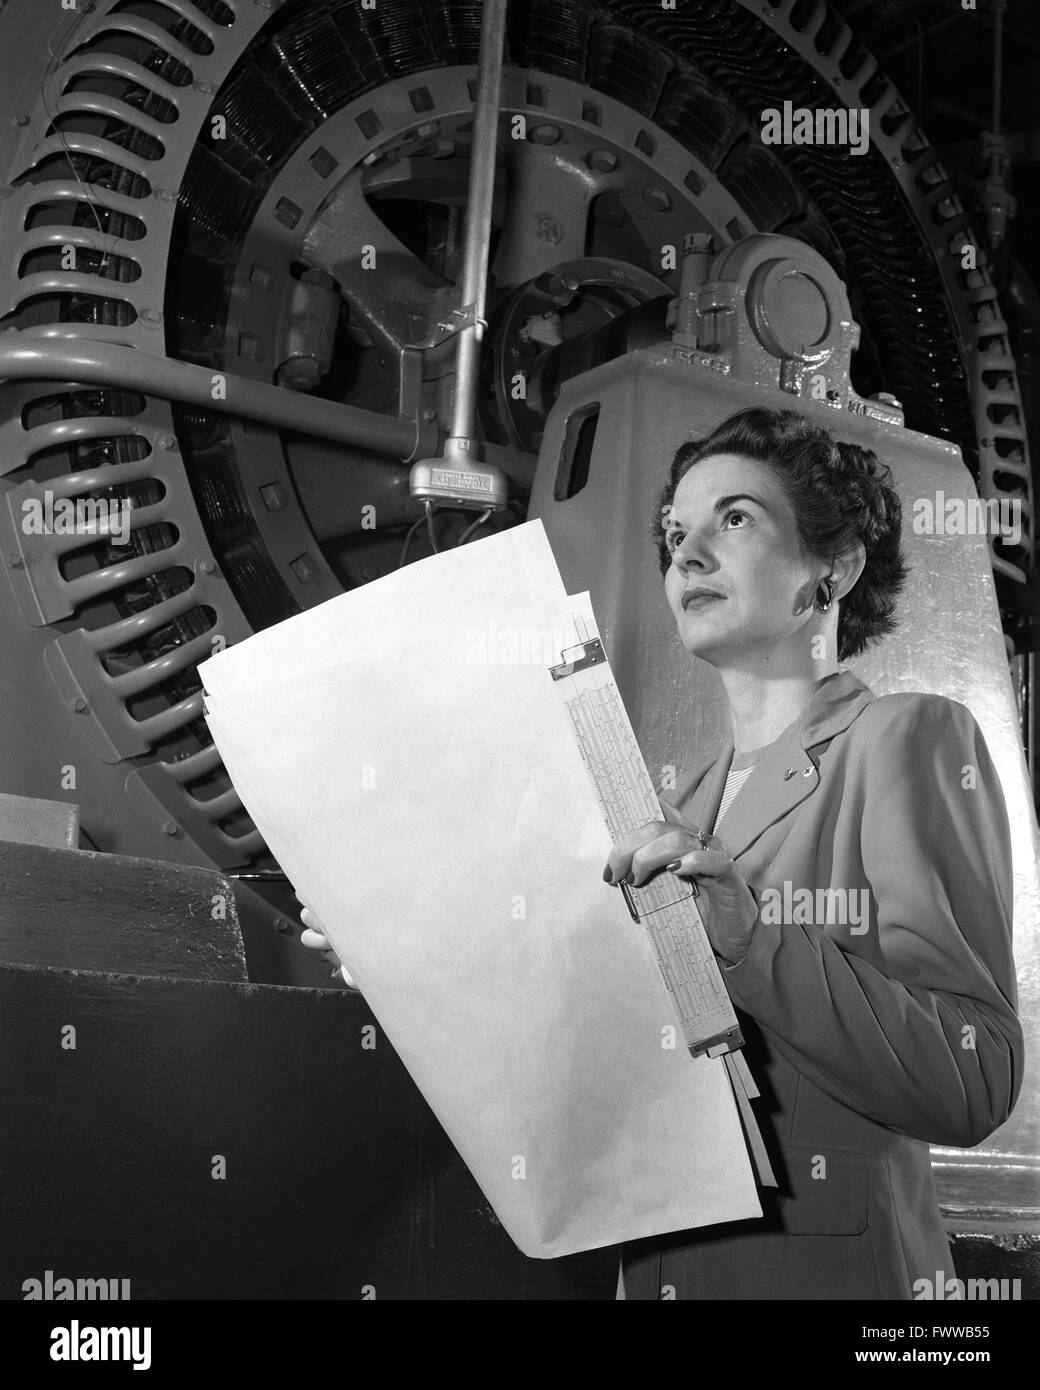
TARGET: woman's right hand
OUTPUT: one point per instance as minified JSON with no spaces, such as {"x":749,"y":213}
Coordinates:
{"x":314,"y":937}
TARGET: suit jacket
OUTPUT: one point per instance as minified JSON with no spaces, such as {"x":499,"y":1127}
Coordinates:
{"x":872,"y":1038}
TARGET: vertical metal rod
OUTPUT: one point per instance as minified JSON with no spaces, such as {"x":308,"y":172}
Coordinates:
{"x":477,"y":231}
{"x":998,"y":64}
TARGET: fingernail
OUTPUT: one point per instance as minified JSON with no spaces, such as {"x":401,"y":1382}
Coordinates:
{"x":677,"y":864}
{"x":607,"y":875}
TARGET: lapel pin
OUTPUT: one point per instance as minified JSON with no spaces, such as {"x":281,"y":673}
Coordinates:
{"x":789,"y":774}
{"x":807,"y":772}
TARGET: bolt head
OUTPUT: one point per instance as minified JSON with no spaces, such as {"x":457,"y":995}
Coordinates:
{"x":602,"y":161}
{"x":698,"y":242}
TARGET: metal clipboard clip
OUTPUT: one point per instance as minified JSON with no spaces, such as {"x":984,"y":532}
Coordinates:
{"x":626,"y":893}
{"x":592,"y":654}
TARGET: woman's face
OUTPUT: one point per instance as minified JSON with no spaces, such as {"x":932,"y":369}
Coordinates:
{"x":731,"y":530}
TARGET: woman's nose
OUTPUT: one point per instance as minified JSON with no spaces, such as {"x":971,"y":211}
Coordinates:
{"x":690,"y":554}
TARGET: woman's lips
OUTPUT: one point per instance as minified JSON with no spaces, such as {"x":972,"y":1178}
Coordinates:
{"x":695,"y":600}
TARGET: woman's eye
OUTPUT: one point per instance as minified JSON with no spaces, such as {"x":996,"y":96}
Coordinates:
{"x":674,"y":539}
{"x":735,"y":512}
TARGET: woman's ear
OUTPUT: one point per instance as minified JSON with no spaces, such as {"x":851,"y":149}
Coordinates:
{"x":847,"y":568}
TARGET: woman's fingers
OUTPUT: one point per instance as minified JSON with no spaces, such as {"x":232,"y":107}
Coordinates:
{"x":649,"y":848}
{"x":314,"y":937}
{"x":705,"y":863}
{"x":676,"y":847}
{"x":620,"y":859}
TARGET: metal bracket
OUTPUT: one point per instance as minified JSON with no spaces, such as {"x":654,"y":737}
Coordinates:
{"x":460,"y":319}
{"x":638,"y":914}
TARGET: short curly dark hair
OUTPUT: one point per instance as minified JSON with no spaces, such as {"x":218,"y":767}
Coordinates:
{"x":838,"y":492}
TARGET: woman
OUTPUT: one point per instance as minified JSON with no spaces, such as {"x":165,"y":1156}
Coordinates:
{"x":855,"y":884}
{"x":879,"y":1018}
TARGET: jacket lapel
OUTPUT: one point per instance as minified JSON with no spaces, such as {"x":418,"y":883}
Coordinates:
{"x":785,"y":775}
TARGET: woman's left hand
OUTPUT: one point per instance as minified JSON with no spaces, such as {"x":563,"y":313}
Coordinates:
{"x":726,"y":904}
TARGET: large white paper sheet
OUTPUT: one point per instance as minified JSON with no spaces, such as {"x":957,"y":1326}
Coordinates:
{"x":505,"y":571}
{"x":426,"y":797}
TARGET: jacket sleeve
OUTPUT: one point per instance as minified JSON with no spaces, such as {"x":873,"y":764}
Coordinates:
{"x":928,"y":1043}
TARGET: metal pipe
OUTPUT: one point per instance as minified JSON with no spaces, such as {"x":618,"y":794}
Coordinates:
{"x":477,"y":231}
{"x":36,"y":355}
{"x":998,"y":64}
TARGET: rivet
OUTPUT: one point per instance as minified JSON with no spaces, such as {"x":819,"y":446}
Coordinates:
{"x":549,"y":229}
{"x":79,"y":705}
{"x":304,"y":569}
{"x":283,"y":924}
{"x":165,"y":441}
{"x":603,"y":161}
{"x":20,"y":119}
{"x":17,"y":562}
{"x":657,"y":198}
{"x":207,"y":567}
{"x":273,"y":496}
{"x":170,"y":827}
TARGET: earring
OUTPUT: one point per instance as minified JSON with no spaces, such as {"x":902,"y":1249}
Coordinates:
{"x":828,"y":595}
